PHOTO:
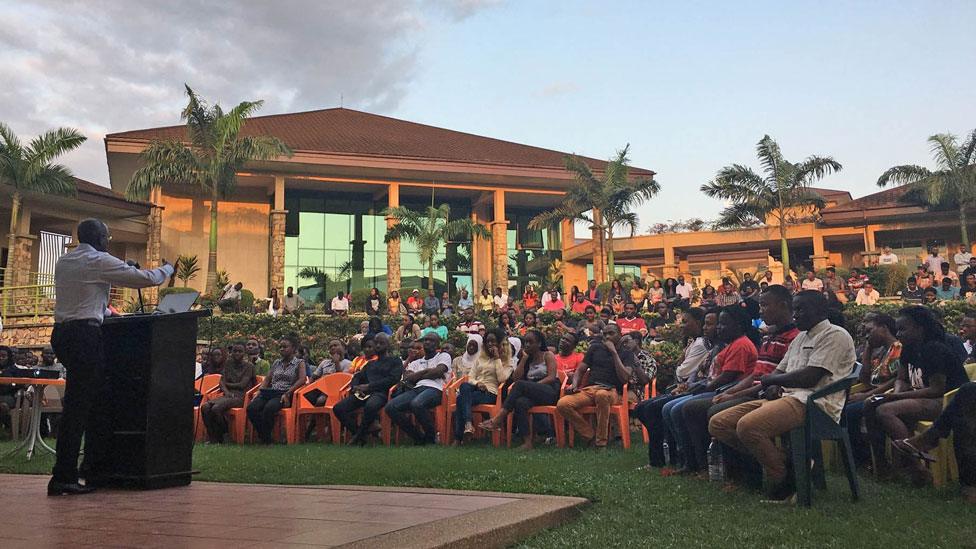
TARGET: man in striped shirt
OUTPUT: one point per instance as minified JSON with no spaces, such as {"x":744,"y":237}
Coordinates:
{"x":776,"y":310}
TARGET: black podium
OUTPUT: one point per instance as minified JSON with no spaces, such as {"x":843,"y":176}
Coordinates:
{"x":145,"y":413}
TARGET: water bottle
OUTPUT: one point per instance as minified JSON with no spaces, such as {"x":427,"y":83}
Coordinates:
{"x":716,"y":467}
{"x":667,"y":453}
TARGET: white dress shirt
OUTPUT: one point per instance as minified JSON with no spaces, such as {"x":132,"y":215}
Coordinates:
{"x":683,"y":290}
{"x":83,"y":277}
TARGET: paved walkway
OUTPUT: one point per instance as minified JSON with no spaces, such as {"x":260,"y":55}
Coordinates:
{"x":207,"y":514}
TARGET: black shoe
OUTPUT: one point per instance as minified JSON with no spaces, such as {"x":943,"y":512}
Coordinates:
{"x":67,"y":488}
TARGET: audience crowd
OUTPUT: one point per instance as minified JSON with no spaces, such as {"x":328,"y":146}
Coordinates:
{"x":753,"y":354}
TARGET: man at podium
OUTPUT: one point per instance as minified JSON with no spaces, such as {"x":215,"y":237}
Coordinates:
{"x":82,"y":278}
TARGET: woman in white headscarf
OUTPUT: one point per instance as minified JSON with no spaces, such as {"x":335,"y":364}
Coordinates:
{"x":516,"y":344}
{"x":472,"y":349}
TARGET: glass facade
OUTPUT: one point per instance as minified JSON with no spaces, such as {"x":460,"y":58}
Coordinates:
{"x":341,"y":235}
{"x":530,"y":252}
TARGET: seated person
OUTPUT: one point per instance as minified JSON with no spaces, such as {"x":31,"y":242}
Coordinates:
{"x":528,"y":323}
{"x":609,"y":368}
{"x":958,"y":418}
{"x":534,"y":383}
{"x":334,"y":363}
{"x":408,"y":329}
{"x":368,"y":390}
{"x":415,"y":303}
{"x":821,"y":354}
{"x":562,"y":322}
{"x":946,"y":291}
{"x":421,"y":388}
{"x":8,"y":368}
{"x":638,"y":294}
{"x":567,"y":359}
{"x":867,"y":295}
{"x":362,"y":355}
{"x":435,"y":327}
{"x":375,"y":326}
{"x":631,"y":322}
{"x":340,"y":304}
{"x":923,"y":278}
{"x":591,"y":325}
{"x":292,"y":303}
{"x":490,"y":371}
{"x":237,"y":378}
{"x":431,"y":303}
{"x":230,"y":298}
{"x":215,"y":361}
{"x":930,"y":296}
{"x":394,"y":305}
{"x":530,"y":299}
{"x":912,"y":292}
{"x":447,"y":308}
{"x":464,"y":300}
{"x":664,"y":317}
{"x":617,"y":304}
{"x":644,"y":372}
{"x":736,"y":360}
{"x":946,"y":272}
{"x":929,"y":368}
{"x":469,"y":324}
{"x":49,"y":361}
{"x":461,"y":366}
{"x":580,"y":303}
{"x":374,"y":303}
{"x":485,"y":303}
{"x":881,"y":358}
{"x":553,"y":301}
{"x":286,"y":376}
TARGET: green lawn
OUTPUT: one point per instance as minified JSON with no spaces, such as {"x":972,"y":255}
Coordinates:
{"x":630,"y":508}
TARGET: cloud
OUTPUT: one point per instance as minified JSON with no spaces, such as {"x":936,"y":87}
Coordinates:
{"x":559,"y":88}
{"x":460,"y":10}
{"x":103,"y":66}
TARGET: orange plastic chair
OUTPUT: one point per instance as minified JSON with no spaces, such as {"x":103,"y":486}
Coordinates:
{"x":205,"y":385}
{"x":450,"y":407}
{"x":619,"y":411}
{"x":557,"y":420}
{"x":650,"y":391}
{"x":334,"y":386}
{"x":489,"y":411}
{"x":239,"y":415}
{"x":441,"y":416}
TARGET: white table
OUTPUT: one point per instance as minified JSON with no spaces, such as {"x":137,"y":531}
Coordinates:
{"x":33,"y":437}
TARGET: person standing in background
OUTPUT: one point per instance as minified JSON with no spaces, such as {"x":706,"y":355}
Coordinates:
{"x":961,"y":259}
{"x":887,"y":257}
{"x":82,"y":279}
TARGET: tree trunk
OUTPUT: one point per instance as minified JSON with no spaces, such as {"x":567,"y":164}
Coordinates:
{"x":9,"y":278}
{"x":963,"y":226}
{"x":430,"y":274}
{"x":784,"y":250}
{"x":611,"y":275}
{"x":212,"y":253}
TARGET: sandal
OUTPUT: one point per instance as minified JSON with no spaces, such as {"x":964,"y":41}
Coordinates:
{"x":908,"y":448}
{"x":487,"y":425}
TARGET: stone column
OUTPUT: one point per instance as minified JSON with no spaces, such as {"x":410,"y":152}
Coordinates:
{"x":820,"y":255}
{"x":276,"y":244}
{"x":154,"y":242}
{"x":393,"y":277}
{"x":499,"y":244}
{"x":670,"y":269}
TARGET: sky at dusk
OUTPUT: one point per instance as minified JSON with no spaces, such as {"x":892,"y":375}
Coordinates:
{"x":691,"y":86}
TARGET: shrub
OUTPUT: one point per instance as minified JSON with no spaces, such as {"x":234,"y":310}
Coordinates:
{"x":247,"y":301}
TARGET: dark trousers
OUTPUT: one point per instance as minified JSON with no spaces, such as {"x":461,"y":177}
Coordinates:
{"x":417,"y":401}
{"x":650,"y":413}
{"x":468,"y":396}
{"x":261,"y":412}
{"x":214,"y":414}
{"x":959,"y":417}
{"x":79,"y":347}
{"x":854,"y":414}
{"x":346,"y":408}
{"x":695,"y":416}
{"x":525,"y":394}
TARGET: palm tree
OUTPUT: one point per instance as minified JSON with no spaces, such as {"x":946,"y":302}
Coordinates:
{"x":323,"y":279}
{"x":207,"y":161}
{"x":429,"y":231}
{"x":187,"y":268}
{"x":953,"y":185}
{"x":610,"y":197}
{"x":782,"y":194}
{"x":32,"y":169}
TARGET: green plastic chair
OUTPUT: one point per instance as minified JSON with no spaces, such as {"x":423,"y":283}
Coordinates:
{"x":805,"y":443}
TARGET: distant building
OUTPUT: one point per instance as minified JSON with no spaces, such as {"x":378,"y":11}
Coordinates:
{"x":846,"y":232}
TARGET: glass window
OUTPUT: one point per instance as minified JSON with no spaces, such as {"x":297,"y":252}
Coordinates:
{"x":312,"y":230}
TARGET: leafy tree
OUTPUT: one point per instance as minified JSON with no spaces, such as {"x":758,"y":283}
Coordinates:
{"x":187,"y":268}
{"x":781,"y":195}
{"x":31,"y":168}
{"x":951,"y":186}
{"x":206,"y":161}
{"x":323,"y":279}
{"x":429,"y":231}
{"x":605,"y":201}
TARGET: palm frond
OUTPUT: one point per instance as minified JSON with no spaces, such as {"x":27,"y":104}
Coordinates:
{"x":903,"y":175}
{"x":770,"y":157}
{"x":52,"y":144}
{"x":740,"y":215}
{"x":165,"y":163}
{"x":968,"y":151}
{"x":626,"y":220}
{"x":53,"y":179}
{"x":944,"y":150}
{"x":815,"y":168}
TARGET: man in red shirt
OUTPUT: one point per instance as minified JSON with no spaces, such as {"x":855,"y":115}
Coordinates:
{"x":776,"y":310}
{"x":415,"y":304}
{"x":581,"y":303}
{"x":630,"y":322}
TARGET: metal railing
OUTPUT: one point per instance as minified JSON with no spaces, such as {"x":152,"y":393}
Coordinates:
{"x":36,"y":298}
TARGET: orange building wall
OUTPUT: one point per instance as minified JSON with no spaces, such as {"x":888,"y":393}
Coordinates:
{"x":242,"y":237}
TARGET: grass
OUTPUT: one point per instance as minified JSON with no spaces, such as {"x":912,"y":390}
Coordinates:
{"x":630,"y":508}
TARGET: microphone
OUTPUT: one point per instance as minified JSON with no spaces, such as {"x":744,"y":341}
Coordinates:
{"x":142,"y":306}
